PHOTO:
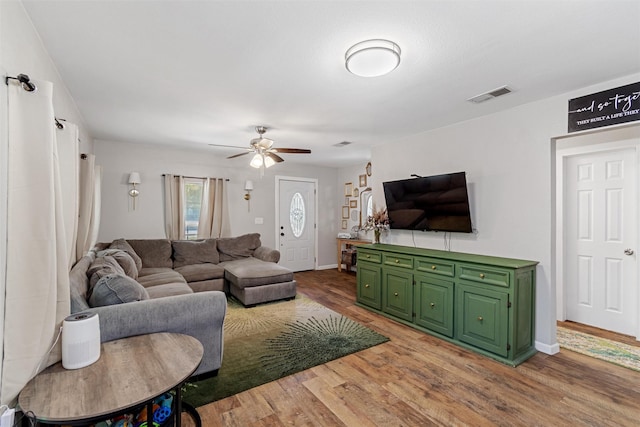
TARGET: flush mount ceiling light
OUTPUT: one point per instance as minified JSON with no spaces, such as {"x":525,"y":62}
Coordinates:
{"x":372,"y":58}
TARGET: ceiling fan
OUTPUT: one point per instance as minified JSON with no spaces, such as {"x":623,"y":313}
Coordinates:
{"x":265,"y":155}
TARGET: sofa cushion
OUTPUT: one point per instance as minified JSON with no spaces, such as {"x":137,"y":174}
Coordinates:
{"x":161,"y":278}
{"x":154,"y":252}
{"x":124,"y":260}
{"x":125,"y":246}
{"x":116,"y":289}
{"x":168,"y":290}
{"x":188,"y":252}
{"x":199,"y":272}
{"x":250,"y":272}
{"x":232,"y":248}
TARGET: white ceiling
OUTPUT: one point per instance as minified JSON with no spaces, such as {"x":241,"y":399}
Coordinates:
{"x":190,"y":73}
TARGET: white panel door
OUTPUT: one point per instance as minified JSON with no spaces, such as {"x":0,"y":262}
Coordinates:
{"x":296,"y":224}
{"x":600,"y":224}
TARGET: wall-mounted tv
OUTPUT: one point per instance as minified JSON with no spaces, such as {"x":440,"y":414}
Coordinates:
{"x":430,"y":203}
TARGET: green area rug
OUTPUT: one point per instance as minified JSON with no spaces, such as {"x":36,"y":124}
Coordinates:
{"x":270,"y":341}
{"x":600,"y":348}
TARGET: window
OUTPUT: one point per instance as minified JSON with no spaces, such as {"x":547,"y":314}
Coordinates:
{"x":297,"y":215}
{"x":192,"y":205}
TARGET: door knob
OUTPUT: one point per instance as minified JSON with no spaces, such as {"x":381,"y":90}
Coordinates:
{"x":628,"y":252}
{"x":282,"y":234}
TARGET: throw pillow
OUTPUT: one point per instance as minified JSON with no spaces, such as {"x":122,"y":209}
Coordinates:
{"x":107,"y":263}
{"x":116,"y":289}
{"x":189,"y":252}
{"x":125,"y":246}
{"x":231,"y":248}
{"x":124,"y":260}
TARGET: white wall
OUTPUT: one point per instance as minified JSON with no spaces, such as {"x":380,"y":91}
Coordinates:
{"x":508,"y":157}
{"x":118,"y":159}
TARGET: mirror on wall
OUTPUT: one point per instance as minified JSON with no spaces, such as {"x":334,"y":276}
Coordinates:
{"x":366,"y":205}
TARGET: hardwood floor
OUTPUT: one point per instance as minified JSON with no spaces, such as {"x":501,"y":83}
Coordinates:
{"x":418,"y":380}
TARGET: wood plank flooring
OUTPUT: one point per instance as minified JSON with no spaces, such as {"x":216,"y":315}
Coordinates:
{"x":418,"y":380}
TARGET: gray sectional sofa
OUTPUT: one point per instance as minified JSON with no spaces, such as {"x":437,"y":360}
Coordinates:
{"x":157,"y":285}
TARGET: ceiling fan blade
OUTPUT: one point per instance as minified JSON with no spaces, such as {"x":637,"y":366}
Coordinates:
{"x":292,"y":150}
{"x":228,"y":146}
{"x":274,"y":156}
{"x":238,"y":155}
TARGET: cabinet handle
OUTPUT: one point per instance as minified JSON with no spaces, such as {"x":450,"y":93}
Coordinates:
{"x":397,"y":261}
{"x":482,"y":275}
{"x":433,"y":267}
{"x":368,"y":256}
{"x":366,"y":286}
{"x":433,"y":304}
{"x":395,"y":294}
{"x":480,"y":319}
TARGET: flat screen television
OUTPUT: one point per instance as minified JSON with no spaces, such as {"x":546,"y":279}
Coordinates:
{"x":430,"y":203}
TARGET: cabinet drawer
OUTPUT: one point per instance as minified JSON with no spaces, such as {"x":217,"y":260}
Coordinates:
{"x":435,"y":266}
{"x":484,"y":274}
{"x":401,"y":261}
{"x":367,"y":256}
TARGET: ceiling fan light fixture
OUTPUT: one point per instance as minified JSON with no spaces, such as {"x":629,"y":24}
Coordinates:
{"x":372,"y":58}
{"x":268,"y":162}
{"x":256,"y":162}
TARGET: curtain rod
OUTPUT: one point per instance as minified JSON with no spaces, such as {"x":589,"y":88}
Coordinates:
{"x":195,"y":177}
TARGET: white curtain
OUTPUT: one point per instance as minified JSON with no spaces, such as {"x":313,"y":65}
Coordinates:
{"x":37,"y":280}
{"x":67,"y":139}
{"x":173,"y":206}
{"x":214,"y":211}
{"x":88,"y":204}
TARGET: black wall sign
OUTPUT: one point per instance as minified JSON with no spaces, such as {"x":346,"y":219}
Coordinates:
{"x":606,"y":108}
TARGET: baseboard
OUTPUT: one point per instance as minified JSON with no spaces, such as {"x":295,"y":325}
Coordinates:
{"x":327,"y":267}
{"x":548,"y":349}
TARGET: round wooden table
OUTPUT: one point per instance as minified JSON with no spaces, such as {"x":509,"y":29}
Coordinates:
{"x":130,"y":373}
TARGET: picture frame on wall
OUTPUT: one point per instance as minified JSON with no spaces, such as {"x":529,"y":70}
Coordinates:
{"x":346,"y":201}
{"x":348,"y":189}
{"x":344,"y":224}
{"x":356,"y":192}
{"x":353,"y":203}
{"x":363,"y":180}
{"x":345,"y":212}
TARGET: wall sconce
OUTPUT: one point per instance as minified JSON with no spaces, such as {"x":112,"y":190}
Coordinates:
{"x":134,"y":178}
{"x":248,"y":187}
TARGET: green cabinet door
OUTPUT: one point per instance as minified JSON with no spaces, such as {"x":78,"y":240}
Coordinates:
{"x":369,"y":291}
{"x":482,"y":318}
{"x":397,"y":294}
{"x":434,"y":304}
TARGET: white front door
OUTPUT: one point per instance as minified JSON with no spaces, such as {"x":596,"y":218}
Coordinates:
{"x":600,"y":224}
{"x":297,"y":223}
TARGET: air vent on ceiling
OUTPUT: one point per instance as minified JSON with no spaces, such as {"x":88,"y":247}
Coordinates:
{"x":342,"y":144}
{"x":490,"y":95}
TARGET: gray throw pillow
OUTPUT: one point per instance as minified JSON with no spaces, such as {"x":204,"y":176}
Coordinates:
{"x":125,"y":246}
{"x":189,"y":252}
{"x":123,"y":259}
{"x":231,"y":248}
{"x":102,"y":266}
{"x":116,"y":289}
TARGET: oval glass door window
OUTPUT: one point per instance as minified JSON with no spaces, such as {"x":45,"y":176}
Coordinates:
{"x":297,"y":215}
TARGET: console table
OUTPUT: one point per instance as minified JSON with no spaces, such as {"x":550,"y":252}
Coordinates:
{"x":130,"y":373}
{"x":347,"y":243}
{"x":483,"y":303}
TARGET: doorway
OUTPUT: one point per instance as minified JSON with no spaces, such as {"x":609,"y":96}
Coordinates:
{"x":597,"y":187}
{"x":296,"y":232}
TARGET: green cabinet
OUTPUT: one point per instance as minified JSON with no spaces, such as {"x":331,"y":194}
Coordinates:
{"x":434,"y":304}
{"x":369,"y":281}
{"x":483,"y":303}
{"x":397,"y":293}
